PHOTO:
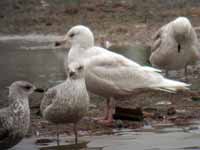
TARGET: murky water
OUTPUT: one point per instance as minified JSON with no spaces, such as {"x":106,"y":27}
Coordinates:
{"x":165,"y":139}
{"x":34,"y":58}
{"x":18,"y":61}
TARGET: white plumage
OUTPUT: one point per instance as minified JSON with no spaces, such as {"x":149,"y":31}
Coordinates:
{"x":109,"y":74}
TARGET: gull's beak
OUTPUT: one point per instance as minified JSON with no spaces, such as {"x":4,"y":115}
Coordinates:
{"x":62,"y":42}
{"x":59,"y":43}
{"x":39,"y":90}
{"x":72,"y":73}
{"x":66,"y":38}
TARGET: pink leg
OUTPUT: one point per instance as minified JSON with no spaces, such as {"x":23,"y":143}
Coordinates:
{"x":106,"y":109}
{"x":108,"y":119}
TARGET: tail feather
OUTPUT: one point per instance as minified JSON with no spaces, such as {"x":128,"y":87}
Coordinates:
{"x":165,"y":90}
{"x":171,"y":86}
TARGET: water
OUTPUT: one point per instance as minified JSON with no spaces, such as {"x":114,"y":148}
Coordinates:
{"x":20,"y":61}
{"x":35,"y":59}
{"x":174,"y":139}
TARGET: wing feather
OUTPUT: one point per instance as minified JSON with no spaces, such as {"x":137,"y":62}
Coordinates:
{"x":119,"y":73}
{"x":48,"y":99}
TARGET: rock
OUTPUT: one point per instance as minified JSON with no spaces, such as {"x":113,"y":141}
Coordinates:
{"x":181,"y":111}
{"x":149,"y":112}
{"x":159,"y":116}
{"x":92,"y":106}
{"x":164,"y":103}
{"x":171,"y":111}
{"x":48,"y":24}
{"x":195,"y":98}
{"x":43,"y":141}
{"x":71,"y":10}
{"x":119,"y":124}
{"x":131,"y":114}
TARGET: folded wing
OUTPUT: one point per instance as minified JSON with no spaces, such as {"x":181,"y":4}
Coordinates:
{"x":115,"y":72}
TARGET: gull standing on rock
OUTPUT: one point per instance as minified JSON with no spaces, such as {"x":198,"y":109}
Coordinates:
{"x":15,"y":119}
{"x":175,"y":46}
{"x":67,"y":102}
{"x":110,"y":74}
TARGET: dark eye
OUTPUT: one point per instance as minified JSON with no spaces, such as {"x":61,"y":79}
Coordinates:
{"x":27,"y":87}
{"x":72,"y":35}
{"x":80,"y":67}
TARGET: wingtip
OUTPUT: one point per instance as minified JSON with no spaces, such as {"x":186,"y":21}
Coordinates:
{"x":147,"y":68}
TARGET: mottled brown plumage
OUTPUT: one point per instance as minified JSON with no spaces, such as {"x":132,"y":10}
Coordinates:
{"x":67,"y":102}
{"x":15,"y":119}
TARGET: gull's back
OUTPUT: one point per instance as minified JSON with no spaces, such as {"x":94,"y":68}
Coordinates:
{"x":165,"y":53}
{"x":14,"y":124}
{"x":65,"y":103}
{"x":110,"y":74}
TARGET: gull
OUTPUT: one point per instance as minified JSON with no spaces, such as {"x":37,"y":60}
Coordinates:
{"x":15,"y":119}
{"x":175,"y":46}
{"x":67,"y":102}
{"x":109,"y":74}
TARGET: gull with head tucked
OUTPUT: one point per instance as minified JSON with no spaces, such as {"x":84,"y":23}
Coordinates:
{"x":110,"y":74}
{"x":67,"y":102}
{"x":15,"y":119}
{"x":175,"y":46}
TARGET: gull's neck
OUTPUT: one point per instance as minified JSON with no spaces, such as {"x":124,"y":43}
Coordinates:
{"x":78,"y":48}
{"x":19,"y":110}
{"x":18,"y":98}
{"x":81,"y":80}
{"x":78,"y":83}
{"x":19,"y":104}
{"x":76,"y":53}
{"x":82,"y":46}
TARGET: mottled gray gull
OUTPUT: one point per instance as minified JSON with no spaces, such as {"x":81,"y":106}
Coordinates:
{"x":67,"y":102}
{"x":175,"y":46}
{"x":15,"y":119}
{"x":110,"y":74}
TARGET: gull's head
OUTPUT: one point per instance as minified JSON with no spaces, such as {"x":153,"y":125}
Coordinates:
{"x":80,"y":36}
{"x":76,"y":71}
{"x":181,"y":27}
{"x":22,"y":88}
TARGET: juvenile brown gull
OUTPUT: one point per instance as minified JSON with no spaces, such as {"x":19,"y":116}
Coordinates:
{"x":67,"y":102}
{"x":15,"y":119}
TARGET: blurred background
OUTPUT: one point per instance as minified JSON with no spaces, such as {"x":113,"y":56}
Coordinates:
{"x":22,"y":16}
